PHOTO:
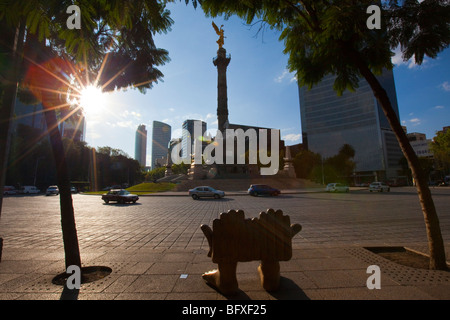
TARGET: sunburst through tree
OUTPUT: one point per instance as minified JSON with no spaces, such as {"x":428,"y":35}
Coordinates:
{"x":69,"y":70}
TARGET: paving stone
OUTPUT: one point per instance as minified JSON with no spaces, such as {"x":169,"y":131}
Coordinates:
{"x":148,"y":247}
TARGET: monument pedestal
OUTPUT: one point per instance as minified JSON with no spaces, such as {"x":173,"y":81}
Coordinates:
{"x":289,"y":169}
{"x":196,"y":172}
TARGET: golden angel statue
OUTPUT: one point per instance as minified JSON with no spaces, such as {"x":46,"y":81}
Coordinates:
{"x":220,"y":34}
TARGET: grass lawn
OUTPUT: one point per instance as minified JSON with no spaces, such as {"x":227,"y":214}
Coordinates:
{"x":144,"y":188}
{"x":151,"y":187}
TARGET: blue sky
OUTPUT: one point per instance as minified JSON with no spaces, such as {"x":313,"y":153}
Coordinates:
{"x":261,"y":91}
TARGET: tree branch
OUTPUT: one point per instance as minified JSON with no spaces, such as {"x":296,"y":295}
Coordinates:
{"x":314,"y":25}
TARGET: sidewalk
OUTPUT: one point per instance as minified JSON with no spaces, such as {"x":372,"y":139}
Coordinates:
{"x":316,"y":273}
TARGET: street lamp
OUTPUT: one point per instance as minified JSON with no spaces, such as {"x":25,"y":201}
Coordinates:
{"x":35,"y":170}
{"x":323,"y":178}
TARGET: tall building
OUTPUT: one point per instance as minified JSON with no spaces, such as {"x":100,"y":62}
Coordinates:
{"x":161,"y":134}
{"x":71,"y":124}
{"x":188,"y":135}
{"x":356,"y":118}
{"x":140,"y":145}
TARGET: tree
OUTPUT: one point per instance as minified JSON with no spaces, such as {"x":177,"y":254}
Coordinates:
{"x":114,"y":49}
{"x":155,"y":174}
{"x":342,"y":163}
{"x":441,"y":150}
{"x":181,"y":168}
{"x":323,"y":37}
{"x":115,"y":167}
{"x":304,"y":162}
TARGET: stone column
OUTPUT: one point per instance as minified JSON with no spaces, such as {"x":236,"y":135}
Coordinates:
{"x":221,"y":62}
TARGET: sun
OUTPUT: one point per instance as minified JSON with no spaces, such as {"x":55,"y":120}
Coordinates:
{"x":92,"y":100}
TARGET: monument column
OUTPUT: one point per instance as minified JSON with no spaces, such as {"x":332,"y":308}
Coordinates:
{"x":221,"y":62}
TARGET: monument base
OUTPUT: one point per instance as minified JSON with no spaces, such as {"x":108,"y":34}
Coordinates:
{"x":289,"y":170}
{"x":195,"y":172}
{"x":223,"y":171}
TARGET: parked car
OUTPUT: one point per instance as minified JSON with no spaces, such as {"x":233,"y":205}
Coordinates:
{"x":29,"y":189}
{"x":119,"y":195}
{"x":379,"y":186}
{"x":9,"y":190}
{"x":52,"y":190}
{"x":262,"y":189}
{"x":205,"y":191}
{"x":337,"y":187}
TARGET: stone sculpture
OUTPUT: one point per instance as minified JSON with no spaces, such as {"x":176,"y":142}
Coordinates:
{"x":235,"y":239}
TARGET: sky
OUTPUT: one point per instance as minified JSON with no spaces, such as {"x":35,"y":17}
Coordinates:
{"x":261,"y":91}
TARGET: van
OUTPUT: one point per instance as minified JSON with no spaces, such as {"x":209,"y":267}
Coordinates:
{"x":30,"y":189}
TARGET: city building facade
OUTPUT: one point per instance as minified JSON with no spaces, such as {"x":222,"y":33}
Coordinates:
{"x":161,"y":135}
{"x":140,"y":146}
{"x":329,"y":121}
{"x":188,"y":136}
{"x":420,"y":144}
{"x":71,"y":124}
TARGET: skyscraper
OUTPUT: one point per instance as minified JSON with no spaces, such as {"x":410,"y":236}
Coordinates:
{"x":188,"y":135}
{"x":356,"y":118}
{"x":140,"y":146}
{"x":71,"y":124}
{"x":161,"y":134}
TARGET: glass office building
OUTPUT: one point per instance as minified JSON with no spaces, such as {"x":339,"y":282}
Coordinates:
{"x":140,"y":145}
{"x":355,"y":118}
{"x":188,"y":136}
{"x":161,"y":134}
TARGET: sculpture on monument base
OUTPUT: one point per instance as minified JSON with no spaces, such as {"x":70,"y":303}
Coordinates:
{"x":289,"y":169}
{"x":219,"y":32}
{"x":195,"y":172}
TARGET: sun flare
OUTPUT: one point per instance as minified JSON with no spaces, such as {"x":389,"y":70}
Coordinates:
{"x":92,"y":100}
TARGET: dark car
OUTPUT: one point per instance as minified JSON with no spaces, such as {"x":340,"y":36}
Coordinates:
{"x":262,"y":189}
{"x":119,"y":195}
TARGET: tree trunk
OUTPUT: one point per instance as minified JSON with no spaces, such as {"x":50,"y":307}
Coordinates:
{"x":69,"y":231}
{"x":435,"y":241}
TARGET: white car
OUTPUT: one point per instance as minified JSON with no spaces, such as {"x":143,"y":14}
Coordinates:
{"x":205,"y":191}
{"x":379,"y":186}
{"x":9,"y":190}
{"x":30,"y":189}
{"x":52,"y":190}
{"x":337,"y":187}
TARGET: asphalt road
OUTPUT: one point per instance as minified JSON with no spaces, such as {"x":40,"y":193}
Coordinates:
{"x":162,"y":222}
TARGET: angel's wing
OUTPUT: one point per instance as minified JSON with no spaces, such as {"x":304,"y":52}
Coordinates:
{"x":216,"y":28}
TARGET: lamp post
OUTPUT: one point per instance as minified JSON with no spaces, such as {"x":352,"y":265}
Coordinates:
{"x":35,"y":170}
{"x":323,"y":178}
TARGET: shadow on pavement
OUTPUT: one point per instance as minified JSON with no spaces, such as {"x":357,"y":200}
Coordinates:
{"x":116,"y":204}
{"x":289,"y":290}
{"x":69,"y":294}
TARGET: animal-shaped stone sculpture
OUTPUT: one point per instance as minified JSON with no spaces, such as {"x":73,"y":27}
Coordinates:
{"x":235,"y":239}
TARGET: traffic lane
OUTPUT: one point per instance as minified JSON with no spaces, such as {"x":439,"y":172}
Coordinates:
{"x":326,"y":218}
